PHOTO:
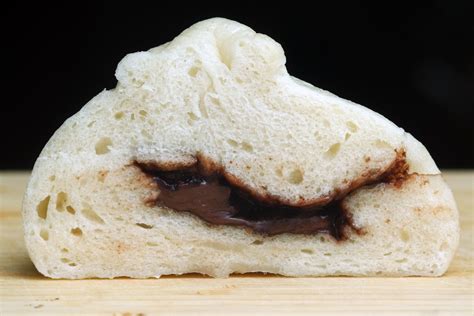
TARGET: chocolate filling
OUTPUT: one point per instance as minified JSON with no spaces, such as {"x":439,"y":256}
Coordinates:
{"x":211,"y":197}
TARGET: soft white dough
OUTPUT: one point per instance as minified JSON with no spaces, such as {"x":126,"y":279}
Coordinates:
{"x":222,"y":91}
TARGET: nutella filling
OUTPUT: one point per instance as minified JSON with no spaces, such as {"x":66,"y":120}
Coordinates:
{"x":209,"y":196}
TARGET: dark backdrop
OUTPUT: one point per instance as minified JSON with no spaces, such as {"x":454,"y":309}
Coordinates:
{"x":415,"y":65}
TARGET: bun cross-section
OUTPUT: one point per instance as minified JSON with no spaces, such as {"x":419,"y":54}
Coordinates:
{"x":209,"y":157}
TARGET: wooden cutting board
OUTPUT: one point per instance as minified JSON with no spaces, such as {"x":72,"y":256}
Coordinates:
{"x":23,"y":290}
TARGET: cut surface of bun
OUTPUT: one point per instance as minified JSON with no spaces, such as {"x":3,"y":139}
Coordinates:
{"x":219,"y":97}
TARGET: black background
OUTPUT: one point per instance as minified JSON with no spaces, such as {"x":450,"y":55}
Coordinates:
{"x":413,"y":64}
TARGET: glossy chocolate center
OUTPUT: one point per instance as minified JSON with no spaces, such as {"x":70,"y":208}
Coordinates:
{"x":213,"y":199}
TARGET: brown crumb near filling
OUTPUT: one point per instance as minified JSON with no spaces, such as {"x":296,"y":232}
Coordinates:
{"x":398,"y":172}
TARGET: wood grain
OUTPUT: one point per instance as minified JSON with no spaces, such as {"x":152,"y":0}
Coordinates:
{"x":23,"y":290}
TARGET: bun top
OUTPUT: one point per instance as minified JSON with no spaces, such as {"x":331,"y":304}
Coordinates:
{"x":221,"y":91}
